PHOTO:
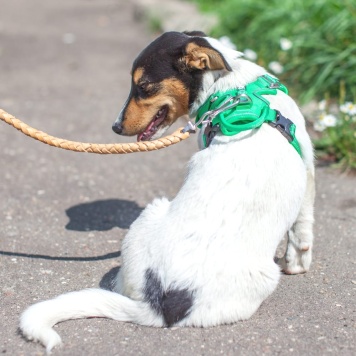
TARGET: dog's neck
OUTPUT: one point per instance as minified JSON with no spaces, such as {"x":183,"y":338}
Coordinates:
{"x":243,"y":72}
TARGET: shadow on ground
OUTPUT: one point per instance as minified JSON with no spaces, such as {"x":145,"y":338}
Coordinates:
{"x":102,"y":215}
{"x":107,"y":256}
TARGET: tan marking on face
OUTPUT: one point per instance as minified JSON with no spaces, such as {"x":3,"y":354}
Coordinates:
{"x":139,"y":113}
{"x":138,"y":73}
{"x":203,"y":57}
{"x":178,"y":94}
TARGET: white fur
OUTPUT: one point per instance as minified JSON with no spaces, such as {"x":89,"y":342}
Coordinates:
{"x":218,"y":236}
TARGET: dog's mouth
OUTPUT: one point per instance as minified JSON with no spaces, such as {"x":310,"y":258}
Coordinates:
{"x":153,"y":126}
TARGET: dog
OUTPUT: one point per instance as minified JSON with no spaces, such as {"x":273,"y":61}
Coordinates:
{"x":206,"y":257}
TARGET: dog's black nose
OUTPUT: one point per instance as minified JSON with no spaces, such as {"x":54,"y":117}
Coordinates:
{"x":117,"y":128}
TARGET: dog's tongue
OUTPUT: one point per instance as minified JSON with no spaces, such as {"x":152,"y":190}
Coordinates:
{"x":148,"y":133}
{"x":151,"y":129}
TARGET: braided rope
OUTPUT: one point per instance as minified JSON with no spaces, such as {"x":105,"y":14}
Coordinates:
{"x":111,"y":148}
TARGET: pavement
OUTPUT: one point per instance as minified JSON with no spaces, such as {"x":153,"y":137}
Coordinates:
{"x":64,"y":68}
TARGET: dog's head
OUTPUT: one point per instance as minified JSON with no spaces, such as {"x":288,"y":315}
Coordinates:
{"x":166,"y":78}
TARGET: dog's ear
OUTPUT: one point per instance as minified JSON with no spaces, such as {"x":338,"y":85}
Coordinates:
{"x":199,"y":54}
{"x":195,"y":33}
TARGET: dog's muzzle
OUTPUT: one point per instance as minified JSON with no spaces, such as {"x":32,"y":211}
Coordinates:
{"x":117,"y":128}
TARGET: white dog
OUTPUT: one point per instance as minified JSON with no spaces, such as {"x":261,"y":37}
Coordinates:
{"x":206,"y":257}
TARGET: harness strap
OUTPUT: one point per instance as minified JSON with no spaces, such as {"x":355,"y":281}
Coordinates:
{"x":242,"y":109}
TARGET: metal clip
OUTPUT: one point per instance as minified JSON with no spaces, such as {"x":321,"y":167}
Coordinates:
{"x":209,"y":133}
{"x":272,"y":84}
{"x":243,"y":98}
{"x":208,"y":117}
{"x":189,"y":127}
{"x":275,"y":86}
{"x":231,"y":102}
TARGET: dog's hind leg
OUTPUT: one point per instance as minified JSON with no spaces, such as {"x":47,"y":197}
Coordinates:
{"x":298,"y":256}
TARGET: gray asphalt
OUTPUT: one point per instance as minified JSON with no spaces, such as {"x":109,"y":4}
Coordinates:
{"x":64,"y":68}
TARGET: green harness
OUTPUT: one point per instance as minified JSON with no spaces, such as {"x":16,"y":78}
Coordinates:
{"x":241,"y":109}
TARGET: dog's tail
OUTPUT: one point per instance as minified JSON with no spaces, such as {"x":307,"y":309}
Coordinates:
{"x":37,"y":321}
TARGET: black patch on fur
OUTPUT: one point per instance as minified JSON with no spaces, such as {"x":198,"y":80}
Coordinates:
{"x":173,"y":304}
{"x":176,"y":305}
{"x":153,"y":291}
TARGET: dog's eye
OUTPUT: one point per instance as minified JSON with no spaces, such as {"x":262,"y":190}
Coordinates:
{"x":143,"y":86}
{"x":146,"y":88}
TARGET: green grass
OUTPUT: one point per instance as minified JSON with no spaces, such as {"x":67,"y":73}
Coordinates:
{"x":323,"y":34}
{"x":322,"y":58}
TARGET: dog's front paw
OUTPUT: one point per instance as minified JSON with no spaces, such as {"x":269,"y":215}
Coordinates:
{"x":295,"y":260}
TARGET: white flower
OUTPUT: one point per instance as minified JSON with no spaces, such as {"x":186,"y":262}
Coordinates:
{"x":250,"y":54}
{"x":348,"y":108}
{"x":276,"y":67}
{"x":324,"y":121}
{"x":226,"y":41}
{"x":322,"y":105}
{"x":329,"y":120}
{"x":319,"y":126}
{"x":285,"y":44}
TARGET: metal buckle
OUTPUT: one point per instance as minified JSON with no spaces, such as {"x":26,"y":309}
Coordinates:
{"x":243,"y":98}
{"x":283,"y":125}
{"x":189,"y":127}
{"x":208,"y":117}
{"x":272,"y":84}
{"x":210,"y":132}
{"x":229,"y":103}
